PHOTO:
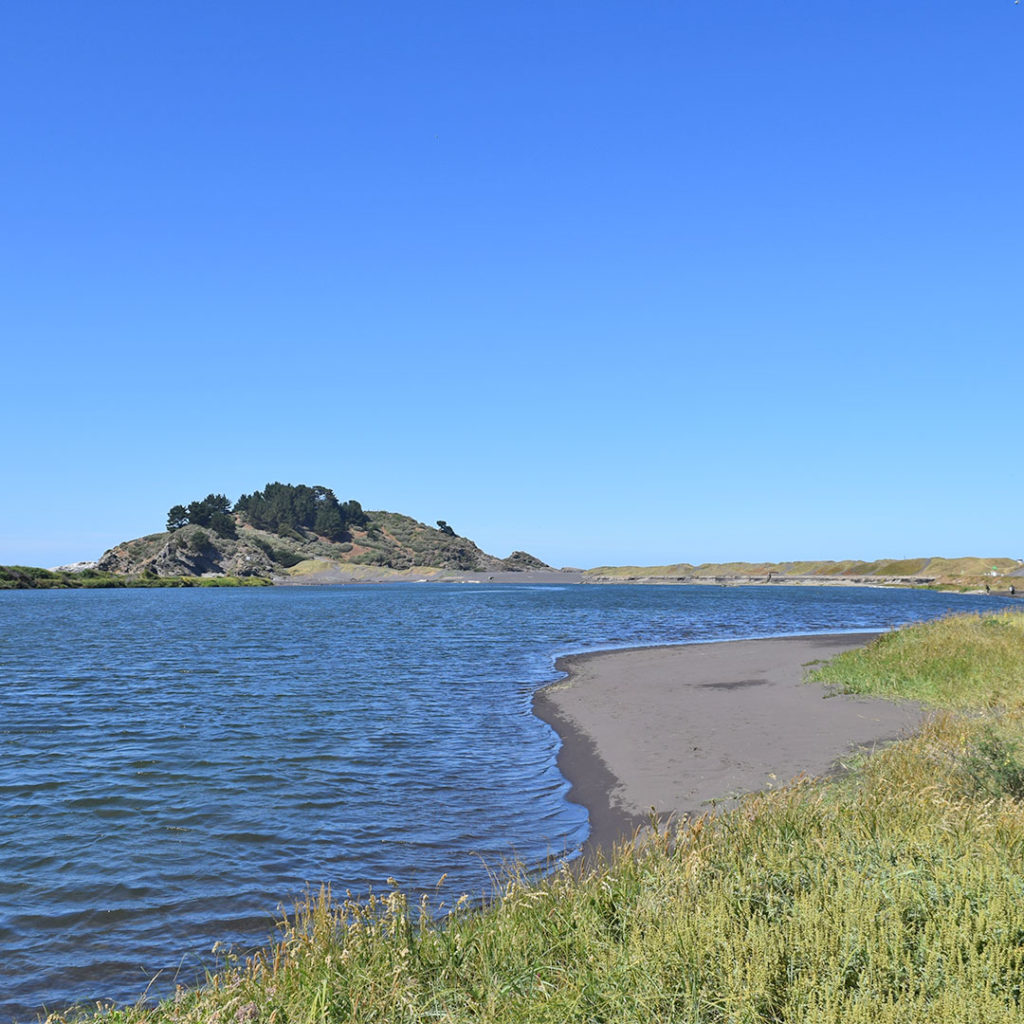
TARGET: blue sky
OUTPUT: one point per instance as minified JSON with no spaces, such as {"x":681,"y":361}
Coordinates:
{"x":609,"y":282}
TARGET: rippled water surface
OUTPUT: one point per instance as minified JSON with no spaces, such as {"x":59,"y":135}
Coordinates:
{"x":178,"y":763}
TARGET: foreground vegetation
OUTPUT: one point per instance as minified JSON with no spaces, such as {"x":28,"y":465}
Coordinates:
{"x":895,"y":893}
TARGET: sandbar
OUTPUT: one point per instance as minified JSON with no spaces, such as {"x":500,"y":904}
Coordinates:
{"x":683,"y":730}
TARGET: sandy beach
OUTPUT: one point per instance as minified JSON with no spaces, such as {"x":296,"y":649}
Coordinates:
{"x":684,"y":729}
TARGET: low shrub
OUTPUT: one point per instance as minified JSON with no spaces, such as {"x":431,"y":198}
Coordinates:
{"x":282,"y":556}
{"x":199,"y":541}
{"x":993,"y":766}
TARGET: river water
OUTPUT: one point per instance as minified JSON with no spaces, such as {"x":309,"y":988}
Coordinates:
{"x":178,"y":764}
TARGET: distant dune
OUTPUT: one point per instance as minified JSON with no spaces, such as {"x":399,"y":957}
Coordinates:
{"x":953,"y":573}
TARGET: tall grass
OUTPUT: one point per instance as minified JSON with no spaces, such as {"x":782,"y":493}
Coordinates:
{"x":895,"y":894}
{"x":962,"y":661}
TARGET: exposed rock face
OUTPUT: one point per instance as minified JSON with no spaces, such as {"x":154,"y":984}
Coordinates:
{"x":248,"y":560}
{"x":187,"y":552}
{"x":117,"y":560}
{"x":519,"y":561}
{"x":180,"y":558}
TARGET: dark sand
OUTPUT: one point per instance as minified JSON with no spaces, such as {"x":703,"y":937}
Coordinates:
{"x":684,"y":729}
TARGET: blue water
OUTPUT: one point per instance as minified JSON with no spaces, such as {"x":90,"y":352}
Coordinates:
{"x":178,"y":764}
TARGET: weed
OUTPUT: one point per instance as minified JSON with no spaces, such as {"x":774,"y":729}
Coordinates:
{"x":992,"y":764}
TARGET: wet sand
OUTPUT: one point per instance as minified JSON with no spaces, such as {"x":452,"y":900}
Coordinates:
{"x":685,"y":729}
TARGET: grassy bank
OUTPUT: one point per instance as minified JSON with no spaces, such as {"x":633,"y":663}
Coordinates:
{"x":962,"y":661}
{"x":29,"y":577}
{"x":893,"y":894}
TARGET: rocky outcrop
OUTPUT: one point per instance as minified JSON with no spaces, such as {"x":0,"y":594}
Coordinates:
{"x":519,"y":561}
{"x":190,"y":551}
{"x":388,"y":541}
{"x":248,"y":560}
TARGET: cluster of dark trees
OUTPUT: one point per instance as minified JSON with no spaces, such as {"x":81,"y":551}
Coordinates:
{"x":279,"y":508}
{"x":214,"y":511}
{"x":284,"y":507}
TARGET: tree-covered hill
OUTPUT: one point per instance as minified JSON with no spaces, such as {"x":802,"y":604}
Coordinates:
{"x":269,"y":532}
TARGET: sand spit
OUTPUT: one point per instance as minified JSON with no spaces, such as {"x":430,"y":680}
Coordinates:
{"x":684,"y":729}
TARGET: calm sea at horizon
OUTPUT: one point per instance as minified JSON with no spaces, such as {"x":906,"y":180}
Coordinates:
{"x":178,"y":764}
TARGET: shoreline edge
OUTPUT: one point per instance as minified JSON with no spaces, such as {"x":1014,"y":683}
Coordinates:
{"x":673,"y":731}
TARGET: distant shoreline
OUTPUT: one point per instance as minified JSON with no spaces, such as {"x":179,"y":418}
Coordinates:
{"x":84,"y":575}
{"x":336,"y":575}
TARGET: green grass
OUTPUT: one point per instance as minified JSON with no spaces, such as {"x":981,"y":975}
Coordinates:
{"x":970,"y":567}
{"x":624,"y":571}
{"x":22,"y":577}
{"x":962,"y":661}
{"x":906,"y":567}
{"x":893,"y":894}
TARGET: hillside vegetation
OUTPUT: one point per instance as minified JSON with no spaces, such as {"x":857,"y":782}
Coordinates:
{"x":287,"y":529}
{"x":893,"y":894}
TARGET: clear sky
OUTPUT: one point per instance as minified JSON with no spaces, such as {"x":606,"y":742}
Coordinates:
{"x":609,"y":282}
